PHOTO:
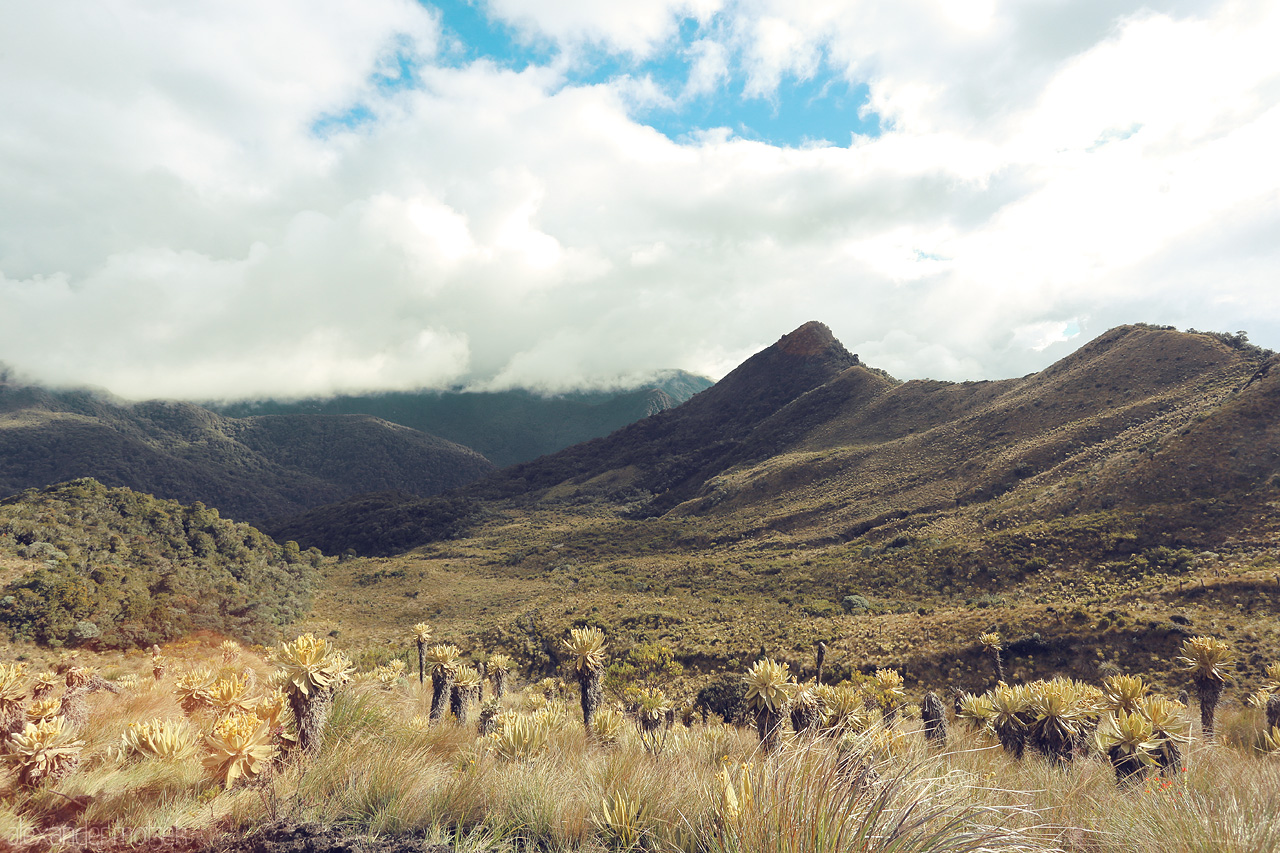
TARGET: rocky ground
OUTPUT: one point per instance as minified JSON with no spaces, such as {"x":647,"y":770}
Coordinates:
{"x":278,"y":838}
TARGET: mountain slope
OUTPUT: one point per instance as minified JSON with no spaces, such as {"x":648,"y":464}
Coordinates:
{"x":112,"y":568}
{"x":250,"y":468}
{"x":1094,"y":514}
{"x":1055,"y":440}
{"x":670,"y":454}
{"x":803,"y":436}
{"x":507,"y":427}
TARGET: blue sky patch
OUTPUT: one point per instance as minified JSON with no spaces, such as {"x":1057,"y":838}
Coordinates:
{"x":822,"y":109}
{"x":352,"y":118}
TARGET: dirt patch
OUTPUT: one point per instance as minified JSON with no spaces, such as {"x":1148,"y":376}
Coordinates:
{"x":276,"y":838}
{"x":79,"y":840}
{"x":312,"y":838}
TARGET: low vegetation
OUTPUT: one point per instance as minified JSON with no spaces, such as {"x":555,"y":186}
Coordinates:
{"x":209,"y":743}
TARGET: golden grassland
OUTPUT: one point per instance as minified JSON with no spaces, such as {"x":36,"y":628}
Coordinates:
{"x":709,"y":788}
{"x":716,"y":596}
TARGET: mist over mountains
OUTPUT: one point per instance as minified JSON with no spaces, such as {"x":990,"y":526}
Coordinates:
{"x":506,"y":427}
{"x":270,"y":459}
{"x":803,"y":479}
{"x":1177,"y":429}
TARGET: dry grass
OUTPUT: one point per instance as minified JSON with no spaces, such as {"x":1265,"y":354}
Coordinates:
{"x":377,"y":773}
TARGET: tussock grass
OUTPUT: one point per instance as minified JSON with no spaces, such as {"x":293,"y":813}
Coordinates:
{"x":710,"y":789}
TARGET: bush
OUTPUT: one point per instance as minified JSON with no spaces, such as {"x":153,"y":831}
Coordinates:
{"x":820,"y":609}
{"x":855,"y":604}
{"x":725,"y":696}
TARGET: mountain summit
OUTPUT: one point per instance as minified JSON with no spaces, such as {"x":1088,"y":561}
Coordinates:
{"x":803,"y":433}
{"x":764,"y":383}
{"x":669,"y":455}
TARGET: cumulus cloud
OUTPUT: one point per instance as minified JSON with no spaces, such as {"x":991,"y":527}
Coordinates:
{"x":300,"y":198}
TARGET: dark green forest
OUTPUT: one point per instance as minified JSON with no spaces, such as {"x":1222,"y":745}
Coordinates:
{"x":119,"y":569}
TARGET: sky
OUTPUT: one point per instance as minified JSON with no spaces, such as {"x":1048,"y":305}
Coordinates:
{"x":306,"y":197}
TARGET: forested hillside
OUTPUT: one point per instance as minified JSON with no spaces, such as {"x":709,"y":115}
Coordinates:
{"x":112,"y":568}
{"x":249,"y":468}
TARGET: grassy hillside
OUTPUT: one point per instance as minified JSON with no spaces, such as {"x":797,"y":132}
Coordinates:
{"x":1094,"y":513}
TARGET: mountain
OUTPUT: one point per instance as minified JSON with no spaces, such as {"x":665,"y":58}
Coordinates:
{"x":249,"y":468}
{"x":507,"y":427}
{"x":670,"y":454}
{"x":1093,"y":513}
{"x":804,"y":436}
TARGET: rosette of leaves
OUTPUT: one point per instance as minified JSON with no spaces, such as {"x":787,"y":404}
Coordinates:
{"x":229,"y":695}
{"x":158,"y":663}
{"x":1123,"y":693}
{"x":44,"y":752}
{"x":43,"y":709}
{"x":653,"y":709}
{"x":239,"y":747}
{"x":622,"y":820}
{"x":1206,"y":658}
{"x":606,"y":726}
{"x":442,"y":663}
{"x":273,"y":709}
{"x":312,"y":672}
{"x":230,"y":651}
{"x":1010,"y":716}
{"x":499,"y":670}
{"x":843,"y":711}
{"x":976,"y":710}
{"x":769,"y":686}
{"x":13,"y":698}
{"x":465,"y":689}
{"x":520,"y":737}
{"x":1130,"y":743}
{"x":79,"y":676}
{"x":386,"y":675}
{"x":1059,"y":716}
{"x":586,"y":648}
{"x":43,"y":683}
{"x":192,"y":689}
{"x":888,"y":693}
{"x":805,"y":709}
{"x":168,"y":740}
{"x":421,"y":636}
{"x":992,"y":644}
{"x":1169,"y":724}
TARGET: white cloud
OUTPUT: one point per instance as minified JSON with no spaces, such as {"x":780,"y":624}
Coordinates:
{"x":170,"y":224}
{"x":708,"y":68}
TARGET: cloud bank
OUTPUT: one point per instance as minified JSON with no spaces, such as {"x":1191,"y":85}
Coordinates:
{"x":243,"y":199}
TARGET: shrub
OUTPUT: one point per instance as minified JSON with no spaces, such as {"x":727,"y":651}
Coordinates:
{"x":855,"y":604}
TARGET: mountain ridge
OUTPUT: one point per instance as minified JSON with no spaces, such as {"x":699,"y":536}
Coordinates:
{"x":506,"y":427}
{"x":250,"y":469}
